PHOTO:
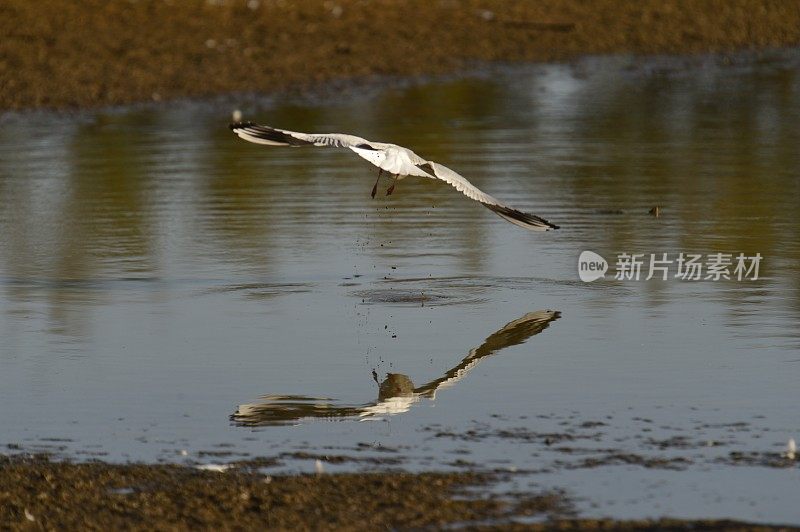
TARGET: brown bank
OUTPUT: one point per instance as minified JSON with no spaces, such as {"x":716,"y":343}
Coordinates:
{"x":79,"y":53}
{"x":38,"y":494}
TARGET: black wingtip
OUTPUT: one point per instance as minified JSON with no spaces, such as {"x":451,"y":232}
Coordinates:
{"x":240,"y":125}
{"x":277,"y":136}
{"x":523,"y":219}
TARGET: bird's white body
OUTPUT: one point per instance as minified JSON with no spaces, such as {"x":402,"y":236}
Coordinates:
{"x":394,"y":159}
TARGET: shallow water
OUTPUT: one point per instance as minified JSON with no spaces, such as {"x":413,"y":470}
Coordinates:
{"x":168,"y":292}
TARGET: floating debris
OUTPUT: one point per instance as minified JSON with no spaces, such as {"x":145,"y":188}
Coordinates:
{"x":219,"y":468}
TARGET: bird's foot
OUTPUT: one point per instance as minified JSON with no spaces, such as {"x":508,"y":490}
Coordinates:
{"x":375,"y":188}
{"x":390,"y":190}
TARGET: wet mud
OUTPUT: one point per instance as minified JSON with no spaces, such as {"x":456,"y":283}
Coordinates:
{"x":36,"y":493}
{"x":61,"y":54}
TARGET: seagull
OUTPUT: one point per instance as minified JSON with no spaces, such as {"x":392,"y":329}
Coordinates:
{"x":393,"y":159}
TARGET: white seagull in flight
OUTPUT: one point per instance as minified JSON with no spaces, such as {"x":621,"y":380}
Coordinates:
{"x":394,"y":159}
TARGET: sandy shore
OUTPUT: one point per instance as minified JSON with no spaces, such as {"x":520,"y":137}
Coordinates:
{"x":62,"y":53}
{"x":38,"y":494}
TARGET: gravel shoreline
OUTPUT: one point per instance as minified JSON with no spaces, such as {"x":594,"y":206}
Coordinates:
{"x":36,"y":493}
{"x":62,"y":54}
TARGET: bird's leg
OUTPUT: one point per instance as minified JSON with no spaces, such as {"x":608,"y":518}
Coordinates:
{"x":375,"y":188}
{"x":391,"y":188}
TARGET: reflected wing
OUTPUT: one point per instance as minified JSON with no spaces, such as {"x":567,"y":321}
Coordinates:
{"x":277,"y":410}
{"x":512,"y":333}
{"x":460,"y":183}
{"x":515,"y":332}
{"x":290,"y":409}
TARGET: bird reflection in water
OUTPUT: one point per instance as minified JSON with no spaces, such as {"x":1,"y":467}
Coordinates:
{"x":396,"y":393}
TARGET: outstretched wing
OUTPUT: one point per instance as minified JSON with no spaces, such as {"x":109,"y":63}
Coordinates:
{"x":271,"y":136}
{"x":281,"y":137}
{"x":460,"y":183}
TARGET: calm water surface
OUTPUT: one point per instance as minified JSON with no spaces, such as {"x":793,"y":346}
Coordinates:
{"x":165,"y":287}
